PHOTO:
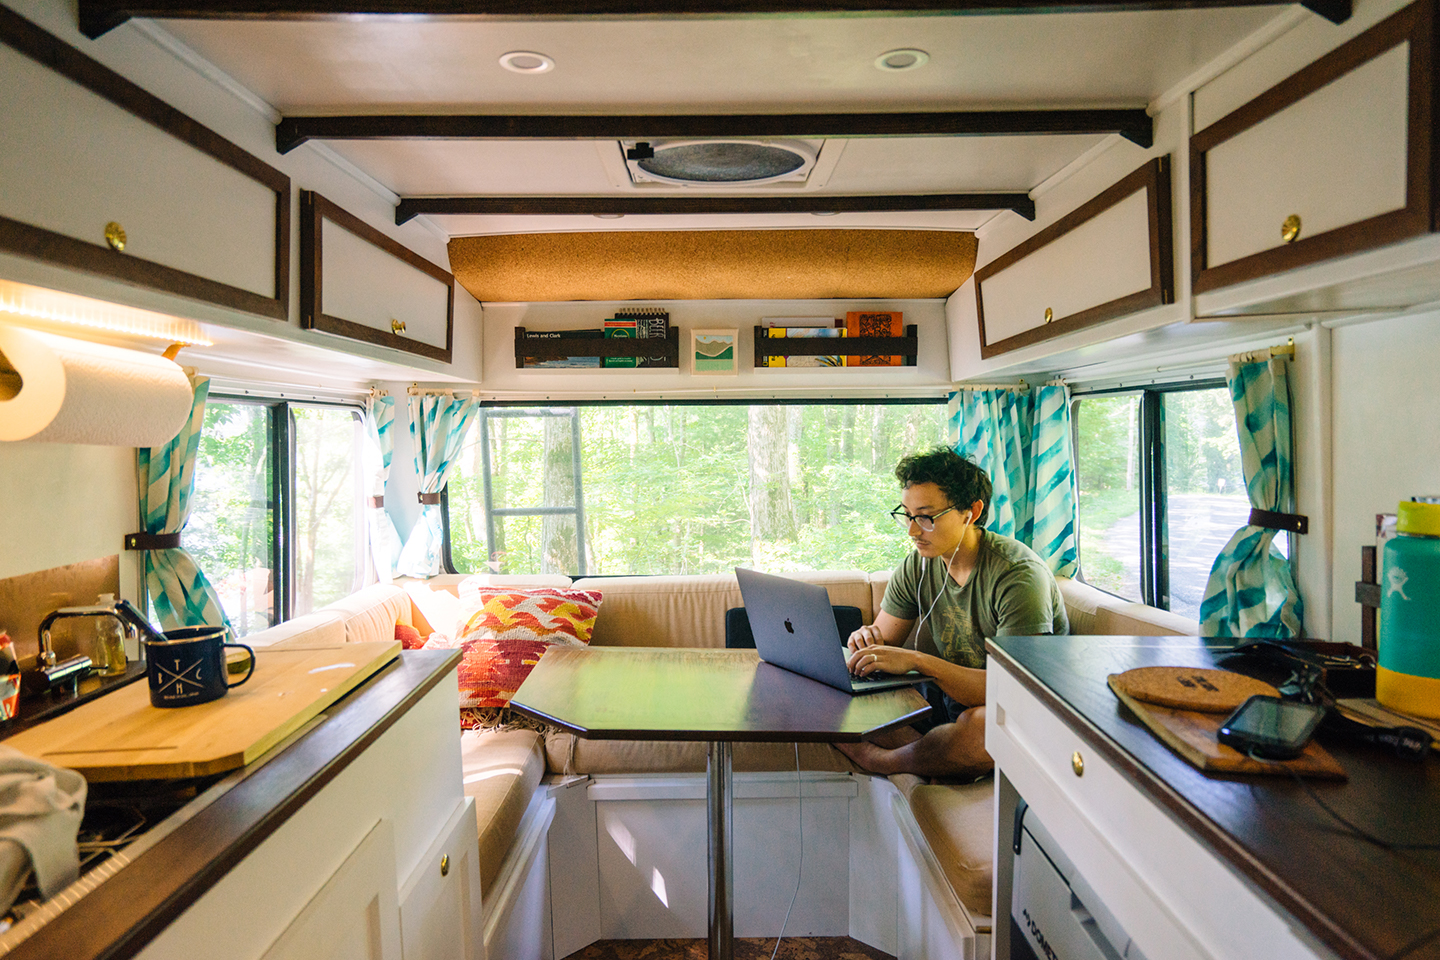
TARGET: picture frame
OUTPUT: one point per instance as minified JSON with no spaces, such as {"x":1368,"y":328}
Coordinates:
{"x":714,"y":352}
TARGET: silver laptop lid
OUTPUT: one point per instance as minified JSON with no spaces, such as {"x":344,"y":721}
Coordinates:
{"x":794,"y":626}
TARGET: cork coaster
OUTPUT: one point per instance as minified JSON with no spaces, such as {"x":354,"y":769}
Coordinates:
{"x":1191,"y":688}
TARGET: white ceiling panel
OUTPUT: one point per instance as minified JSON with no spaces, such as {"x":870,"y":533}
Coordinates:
{"x":954,"y":164}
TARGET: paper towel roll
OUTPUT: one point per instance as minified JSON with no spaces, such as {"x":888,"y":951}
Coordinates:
{"x":71,"y":391}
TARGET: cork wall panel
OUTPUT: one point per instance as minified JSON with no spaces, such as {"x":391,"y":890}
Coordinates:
{"x":714,"y":265}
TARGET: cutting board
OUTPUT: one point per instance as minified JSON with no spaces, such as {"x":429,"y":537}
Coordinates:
{"x":120,"y":736}
{"x":1193,"y":735}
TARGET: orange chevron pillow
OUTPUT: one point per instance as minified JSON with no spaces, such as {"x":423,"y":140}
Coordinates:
{"x":509,"y":631}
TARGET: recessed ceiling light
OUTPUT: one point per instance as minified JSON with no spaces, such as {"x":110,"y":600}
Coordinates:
{"x":526,"y":61}
{"x":824,"y":213}
{"x":608,"y":216}
{"x":908,"y":58}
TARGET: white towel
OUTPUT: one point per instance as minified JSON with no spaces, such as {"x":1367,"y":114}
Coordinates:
{"x":40,"y":809}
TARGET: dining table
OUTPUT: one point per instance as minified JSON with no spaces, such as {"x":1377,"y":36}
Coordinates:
{"x":720,"y":697}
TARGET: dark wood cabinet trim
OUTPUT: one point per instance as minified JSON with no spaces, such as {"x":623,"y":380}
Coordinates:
{"x":1416,"y":25}
{"x":1154,"y":179}
{"x":314,"y":211}
{"x":38,"y":243}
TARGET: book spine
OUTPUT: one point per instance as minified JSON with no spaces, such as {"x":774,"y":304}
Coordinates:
{"x":875,"y":324}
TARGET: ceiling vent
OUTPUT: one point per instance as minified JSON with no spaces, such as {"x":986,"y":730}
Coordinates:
{"x":719,"y":163}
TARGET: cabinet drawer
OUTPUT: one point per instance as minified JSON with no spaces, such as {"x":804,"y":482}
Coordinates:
{"x":440,"y":902}
{"x":1109,"y":258}
{"x":359,"y":283}
{"x":1333,"y":160}
{"x":85,"y":148}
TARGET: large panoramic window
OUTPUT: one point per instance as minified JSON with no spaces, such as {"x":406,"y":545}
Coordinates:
{"x":275,"y":521}
{"x":1161,"y":491}
{"x":683,"y":489}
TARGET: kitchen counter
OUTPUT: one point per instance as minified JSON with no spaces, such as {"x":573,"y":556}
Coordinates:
{"x":1331,"y":890}
{"x":205,"y":841}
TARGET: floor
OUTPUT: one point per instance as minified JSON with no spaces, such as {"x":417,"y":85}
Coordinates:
{"x":792,"y":948}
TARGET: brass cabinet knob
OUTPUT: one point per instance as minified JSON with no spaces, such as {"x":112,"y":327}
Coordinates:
{"x":1049,"y":314}
{"x":1077,"y":763}
{"x":1290,"y":229}
{"x":115,"y":236}
{"x":445,"y":865}
{"x":397,"y":326}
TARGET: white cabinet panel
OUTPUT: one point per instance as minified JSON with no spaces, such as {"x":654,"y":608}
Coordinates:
{"x":85,"y":148}
{"x":440,"y":902}
{"x":359,"y":283}
{"x":1111,"y":257}
{"x":354,"y":916}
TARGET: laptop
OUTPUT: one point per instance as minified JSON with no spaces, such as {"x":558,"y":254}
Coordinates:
{"x":794,"y":628}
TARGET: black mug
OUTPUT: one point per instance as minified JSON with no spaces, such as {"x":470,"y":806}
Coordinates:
{"x":188,"y":666}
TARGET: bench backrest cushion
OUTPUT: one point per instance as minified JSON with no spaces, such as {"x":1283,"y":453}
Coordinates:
{"x":372,"y":613}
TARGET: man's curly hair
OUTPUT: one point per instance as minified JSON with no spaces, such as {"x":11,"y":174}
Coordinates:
{"x":961,"y":480}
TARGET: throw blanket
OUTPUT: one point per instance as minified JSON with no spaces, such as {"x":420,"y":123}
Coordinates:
{"x":40,"y":811}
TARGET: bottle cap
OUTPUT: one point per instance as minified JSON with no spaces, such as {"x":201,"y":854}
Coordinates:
{"x":106,"y":600}
{"x":1421,"y":518}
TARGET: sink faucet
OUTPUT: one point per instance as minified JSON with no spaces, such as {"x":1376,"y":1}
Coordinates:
{"x":73,"y":668}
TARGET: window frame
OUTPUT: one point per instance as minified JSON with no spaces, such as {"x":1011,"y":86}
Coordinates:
{"x":447,"y":563}
{"x":280,"y":437}
{"x":1154,"y":492}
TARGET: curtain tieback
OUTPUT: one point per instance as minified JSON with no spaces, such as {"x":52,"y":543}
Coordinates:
{"x":429,"y":499}
{"x":378,"y":501}
{"x":152,"y":541}
{"x":1271,"y":520}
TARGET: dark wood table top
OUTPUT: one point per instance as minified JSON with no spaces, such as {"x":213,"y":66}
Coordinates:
{"x":635,"y":693}
{"x":1363,"y":901}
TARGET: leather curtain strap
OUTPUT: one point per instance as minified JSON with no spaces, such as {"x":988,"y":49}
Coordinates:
{"x":378,"y":501}
{"x":1271,"y":520}
{"x":429,"y":499}
{"x":152,"y":541}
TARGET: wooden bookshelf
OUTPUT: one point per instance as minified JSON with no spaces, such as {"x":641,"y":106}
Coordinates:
{"x":558,"y":348}
{"x":906,"y":347}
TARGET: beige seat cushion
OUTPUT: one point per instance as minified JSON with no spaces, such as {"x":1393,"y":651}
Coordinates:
{"x":569,"y":754}
{"x":1093,"y":611}
{"x":501,"y":769}
{"x":957,"y":823}
{"x":372,"y":613}
{"x":689,"y":611}
{"x":323,"y":628}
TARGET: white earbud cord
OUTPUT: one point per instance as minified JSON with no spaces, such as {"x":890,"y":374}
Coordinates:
{"x":938,"y":593}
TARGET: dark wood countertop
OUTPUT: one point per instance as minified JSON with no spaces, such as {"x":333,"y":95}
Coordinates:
{"x":1363,"y":901}
{"x":125,"y":912}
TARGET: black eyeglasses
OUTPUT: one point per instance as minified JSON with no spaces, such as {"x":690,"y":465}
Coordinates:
{"x":924,"y":522}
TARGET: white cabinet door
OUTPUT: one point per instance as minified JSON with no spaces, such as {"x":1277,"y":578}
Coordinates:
{"x":1331,"y":161}
{"x":1111,"y":257}
{"x":355,"y":915}
{"x":440,"y":902}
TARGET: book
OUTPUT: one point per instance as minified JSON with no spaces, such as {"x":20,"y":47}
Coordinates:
{"x":562,"y":363}
{"x":880,"y":323}
{"x":779,"y":333}
{"x":615,"y":329}
{"x":650,"y":323}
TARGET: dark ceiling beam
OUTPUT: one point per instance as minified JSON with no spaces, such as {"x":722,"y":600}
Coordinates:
{"x":99,"y":16}
{"x":411,"y":207}
{"x":1132,"y":124}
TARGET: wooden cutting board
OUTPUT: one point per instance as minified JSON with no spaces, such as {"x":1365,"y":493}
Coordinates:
{"x":120,"y":736}
{"x":1193,"y":735}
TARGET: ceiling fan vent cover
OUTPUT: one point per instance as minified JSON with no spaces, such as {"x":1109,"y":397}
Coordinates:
{"x":722,"y":162}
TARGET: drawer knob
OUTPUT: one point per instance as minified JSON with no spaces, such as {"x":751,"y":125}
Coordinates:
{"x":1077,"y":763}
{"x":1290,"y":229}
{"x":445,"y":865}
{"x":115,"y":236}
{"x":397,"y":326}
{"x":1049,"y":314}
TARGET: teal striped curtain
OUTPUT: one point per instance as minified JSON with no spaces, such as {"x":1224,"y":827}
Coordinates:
{"x":379,"y":450}
{"x":1251,"y":592}
{"x":438,"y":424}
{"x":1022,"y":440}
{"x":165,"y":478}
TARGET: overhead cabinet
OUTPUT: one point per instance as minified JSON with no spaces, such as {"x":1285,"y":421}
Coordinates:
{"x":359,"y":283}
{"x":1336,"y":159}
{"x":1111,"y":257}
{"x":101,"y":176}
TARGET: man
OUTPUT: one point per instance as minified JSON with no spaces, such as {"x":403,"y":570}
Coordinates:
{"x":964,"y":584}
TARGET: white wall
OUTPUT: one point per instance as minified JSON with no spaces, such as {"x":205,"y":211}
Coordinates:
{"x":1386,"y":423}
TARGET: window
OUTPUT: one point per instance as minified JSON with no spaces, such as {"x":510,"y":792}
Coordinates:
{"x":1161,"y":490}
{"x":683,"y":489}
{"x":277,"y":489}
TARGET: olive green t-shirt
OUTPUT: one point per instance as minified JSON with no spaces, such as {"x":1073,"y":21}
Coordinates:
{"x":1010,"y":593}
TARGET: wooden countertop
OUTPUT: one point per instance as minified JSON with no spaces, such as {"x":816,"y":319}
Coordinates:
{"x":125,"y":912}
{"x":1363,"y":901}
